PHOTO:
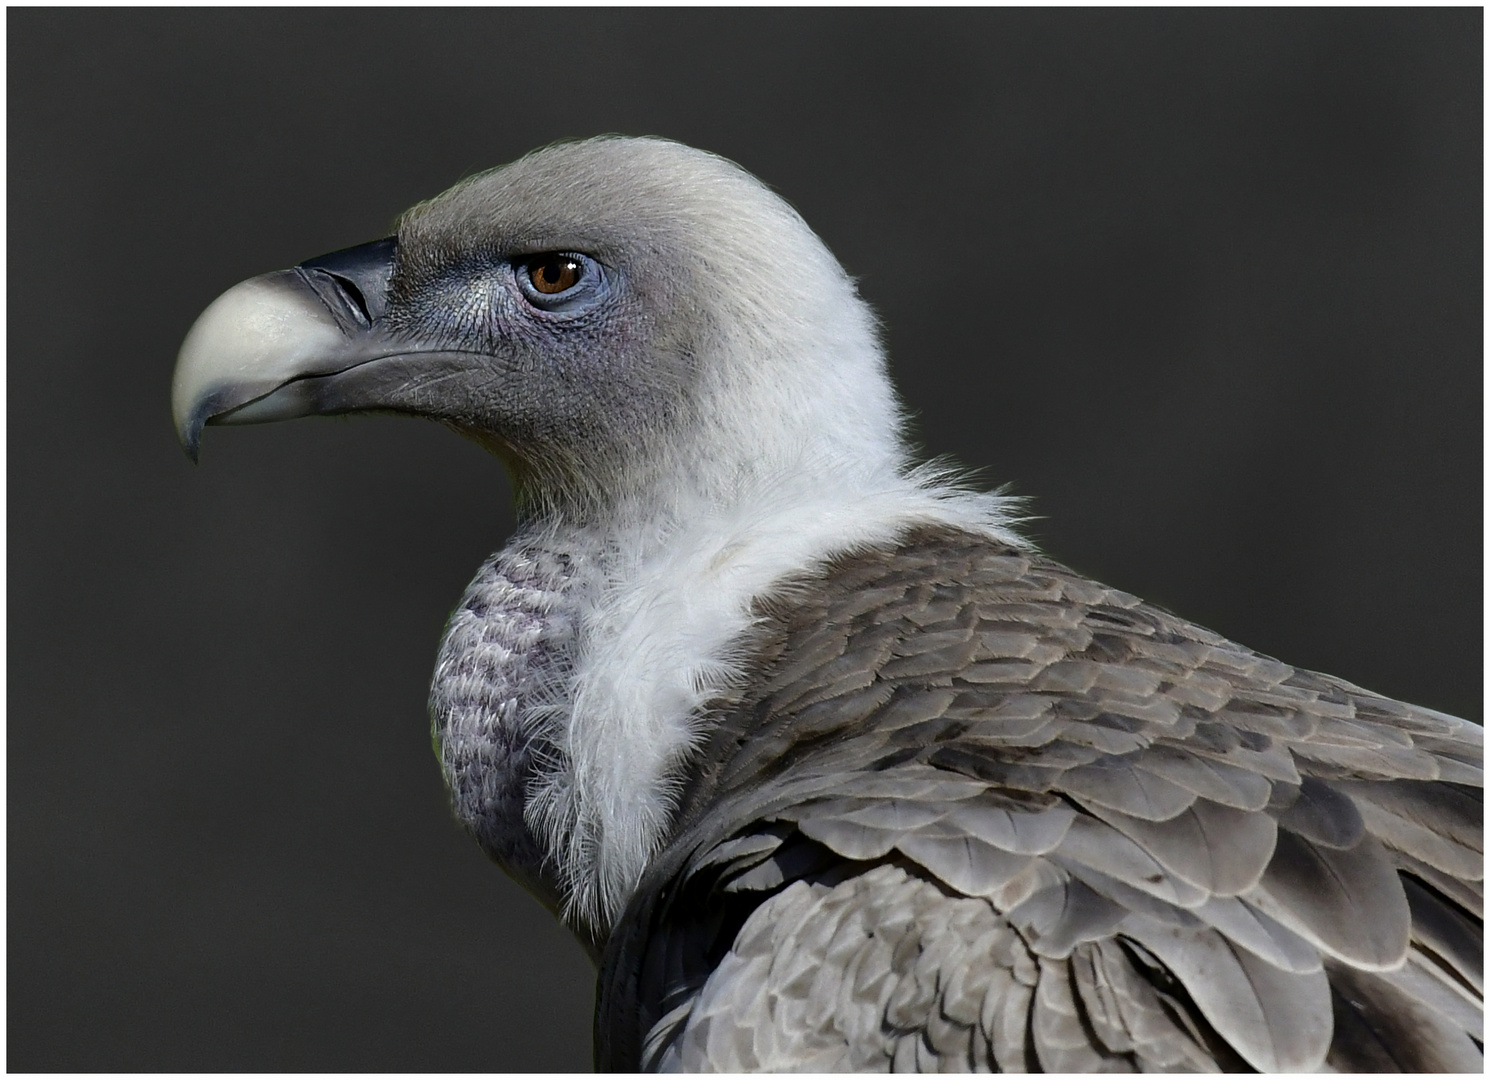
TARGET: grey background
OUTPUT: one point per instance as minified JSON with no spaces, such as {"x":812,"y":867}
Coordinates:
{"x":1205,"y":284}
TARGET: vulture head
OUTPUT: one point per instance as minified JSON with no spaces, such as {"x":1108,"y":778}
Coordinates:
{"x":622,"y":320}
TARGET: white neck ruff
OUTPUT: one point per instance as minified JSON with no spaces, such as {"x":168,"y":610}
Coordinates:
{"x":659,"y":611}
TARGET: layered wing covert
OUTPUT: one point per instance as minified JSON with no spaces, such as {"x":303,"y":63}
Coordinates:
{"x":980,"y":812}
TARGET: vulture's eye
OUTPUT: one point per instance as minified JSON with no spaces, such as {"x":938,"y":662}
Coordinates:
{"x":555,"y":274}
{"x":559,"y":280}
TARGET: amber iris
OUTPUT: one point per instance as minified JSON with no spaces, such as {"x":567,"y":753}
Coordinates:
{"x":554,"y":273}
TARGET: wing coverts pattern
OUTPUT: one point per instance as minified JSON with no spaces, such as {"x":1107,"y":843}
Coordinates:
{"x":978,"y":812}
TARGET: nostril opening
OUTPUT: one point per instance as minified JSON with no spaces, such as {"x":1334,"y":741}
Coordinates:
{"x":353,"y":295}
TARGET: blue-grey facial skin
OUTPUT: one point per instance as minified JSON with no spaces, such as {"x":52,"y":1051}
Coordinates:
{"x":552,"y":379}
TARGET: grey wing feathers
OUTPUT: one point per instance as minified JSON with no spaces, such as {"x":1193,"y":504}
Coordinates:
{"x":981,"y":813}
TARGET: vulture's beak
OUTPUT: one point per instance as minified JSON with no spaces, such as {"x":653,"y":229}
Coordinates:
{"x":291,"y":343}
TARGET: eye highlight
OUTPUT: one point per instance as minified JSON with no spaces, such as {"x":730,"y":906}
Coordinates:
{"x":554,"y":274}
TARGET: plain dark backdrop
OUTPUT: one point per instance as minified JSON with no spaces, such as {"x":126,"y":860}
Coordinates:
{"x":1206,"y":285}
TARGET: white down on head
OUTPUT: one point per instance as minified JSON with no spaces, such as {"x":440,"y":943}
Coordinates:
{"x":790,"y":452}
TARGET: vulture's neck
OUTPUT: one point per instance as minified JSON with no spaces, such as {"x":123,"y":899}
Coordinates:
{"x":575,"y":674}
